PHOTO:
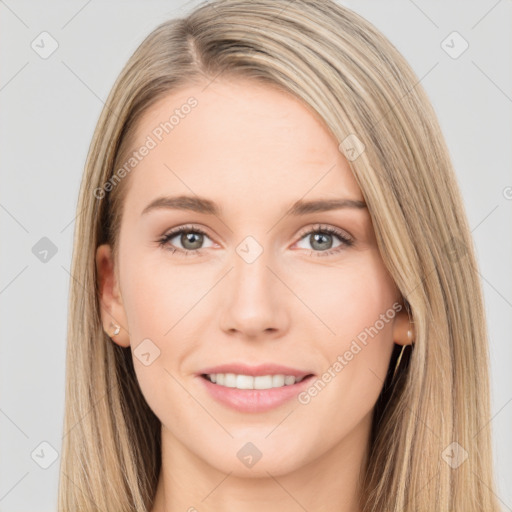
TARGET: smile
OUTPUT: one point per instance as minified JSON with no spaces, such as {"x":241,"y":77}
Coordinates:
{"x":241,"y":392}
{"x":238,"y":381}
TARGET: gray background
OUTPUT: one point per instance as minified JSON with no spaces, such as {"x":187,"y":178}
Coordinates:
{"x":49,"y":110}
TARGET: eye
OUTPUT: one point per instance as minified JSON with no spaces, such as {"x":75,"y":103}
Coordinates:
{"x":191,"y":239}
{"x":321,"y":239}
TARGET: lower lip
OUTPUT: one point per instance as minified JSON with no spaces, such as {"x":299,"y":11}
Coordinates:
{"x":254,"y":400}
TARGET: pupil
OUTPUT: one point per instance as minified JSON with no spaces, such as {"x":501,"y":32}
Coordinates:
{"x":317,"y":238}
{"x":189,"y":238}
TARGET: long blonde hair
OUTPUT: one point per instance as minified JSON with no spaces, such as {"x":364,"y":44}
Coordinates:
{"x":437,"y":409}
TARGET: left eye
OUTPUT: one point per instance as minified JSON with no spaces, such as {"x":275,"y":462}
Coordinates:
{"x":321,"y":239}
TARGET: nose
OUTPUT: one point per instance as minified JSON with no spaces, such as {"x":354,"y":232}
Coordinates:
{"x":256,"y":299}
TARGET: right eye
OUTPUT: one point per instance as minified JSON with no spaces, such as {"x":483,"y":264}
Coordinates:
{"x":190,"y":237}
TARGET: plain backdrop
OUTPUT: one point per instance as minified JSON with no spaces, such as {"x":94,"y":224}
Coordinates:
{"x":49,"y":108}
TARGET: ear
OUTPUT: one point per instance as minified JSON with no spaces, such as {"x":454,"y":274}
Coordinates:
{"x":112,"y":309}
{"x":403,"y":328}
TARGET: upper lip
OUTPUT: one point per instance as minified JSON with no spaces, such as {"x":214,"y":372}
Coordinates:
{"x":262,"y":369}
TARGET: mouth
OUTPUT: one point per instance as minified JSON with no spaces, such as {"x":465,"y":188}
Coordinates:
{"x":253,"y":393}
{"x":252,"y":382}
{"x":253,"y":389}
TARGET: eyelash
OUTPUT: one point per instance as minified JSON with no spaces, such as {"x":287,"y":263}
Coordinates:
{"x":163,"y":241}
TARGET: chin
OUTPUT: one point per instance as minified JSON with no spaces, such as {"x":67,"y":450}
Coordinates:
{"x":256,"y":459}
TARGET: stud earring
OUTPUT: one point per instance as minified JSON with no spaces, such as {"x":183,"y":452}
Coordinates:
{"x":116,"y":327}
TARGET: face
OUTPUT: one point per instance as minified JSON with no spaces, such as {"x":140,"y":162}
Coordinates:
{"x":255,"y":282}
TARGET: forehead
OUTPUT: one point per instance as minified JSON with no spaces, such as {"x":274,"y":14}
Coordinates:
{"x":237,"y":142}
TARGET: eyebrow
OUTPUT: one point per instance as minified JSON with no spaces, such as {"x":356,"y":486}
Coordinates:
{"x":206,"y":206}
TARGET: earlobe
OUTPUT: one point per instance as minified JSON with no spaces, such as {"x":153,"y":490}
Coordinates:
{"x":403,"y":329}
{"x":112,"y":312}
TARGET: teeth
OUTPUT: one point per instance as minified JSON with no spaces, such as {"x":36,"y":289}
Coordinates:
{"x":232,"y":380}
{"x":288,"y":380}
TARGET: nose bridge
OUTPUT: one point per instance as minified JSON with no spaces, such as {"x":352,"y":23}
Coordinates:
{"x":254,"y":303}
{"x":251,"y":276}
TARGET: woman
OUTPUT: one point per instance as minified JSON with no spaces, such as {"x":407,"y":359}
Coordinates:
{"x":275,"y":300}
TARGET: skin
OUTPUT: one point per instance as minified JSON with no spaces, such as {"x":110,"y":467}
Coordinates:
{"x":254,"y":150}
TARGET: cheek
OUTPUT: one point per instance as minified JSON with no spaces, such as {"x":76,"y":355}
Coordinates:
{"x":349,"y":298}
{"x":355,"y":304}
{"x":162,"y":310}
{"x":157,"y":296}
